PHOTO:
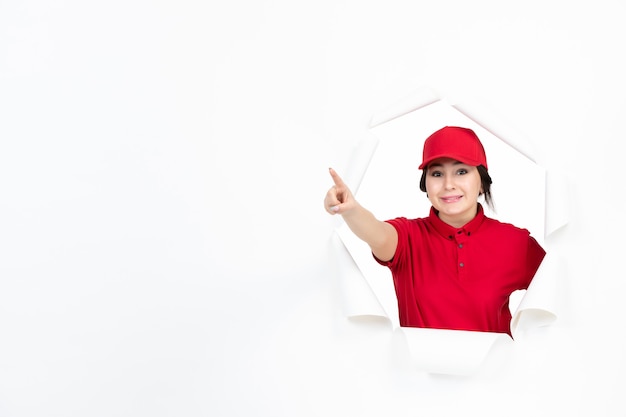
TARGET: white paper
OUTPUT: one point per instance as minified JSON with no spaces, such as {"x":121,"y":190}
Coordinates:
{"x":376,"y":277}
{"x":410,"y":103}
{"x":357,"y":297}
{"x":557,"y":202}
{"x":538,"y":306}
{"x":509,"y":135}
{"x":360,"y":161}
{"x":451,"y":352}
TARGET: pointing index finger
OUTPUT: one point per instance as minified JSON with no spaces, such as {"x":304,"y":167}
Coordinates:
{"x":336,"y":178}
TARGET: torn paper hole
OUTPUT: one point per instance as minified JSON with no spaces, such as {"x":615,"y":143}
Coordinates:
{"x":401,"y":131}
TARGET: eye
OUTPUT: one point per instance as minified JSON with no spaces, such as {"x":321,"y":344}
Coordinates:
{"x":436,"y":174}
{"x":462,"y":171}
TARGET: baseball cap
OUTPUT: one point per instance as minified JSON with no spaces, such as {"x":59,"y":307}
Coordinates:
{"x":454,"y":142}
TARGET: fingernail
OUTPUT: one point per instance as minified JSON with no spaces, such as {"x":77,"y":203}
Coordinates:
{"x":334,"y":208}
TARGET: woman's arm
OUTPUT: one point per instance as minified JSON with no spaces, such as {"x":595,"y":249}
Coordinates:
{"x":380,"y":236}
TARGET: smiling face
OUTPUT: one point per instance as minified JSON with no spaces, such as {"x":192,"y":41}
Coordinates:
{"x":453,"y":189}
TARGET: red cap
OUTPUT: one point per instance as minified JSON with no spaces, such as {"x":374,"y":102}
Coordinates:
{"x":454,"y":142}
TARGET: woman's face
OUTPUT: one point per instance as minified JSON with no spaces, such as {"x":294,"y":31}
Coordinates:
{"x":453,"y":189}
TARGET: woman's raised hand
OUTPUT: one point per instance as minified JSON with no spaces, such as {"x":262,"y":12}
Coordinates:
{"x":339,"y":198}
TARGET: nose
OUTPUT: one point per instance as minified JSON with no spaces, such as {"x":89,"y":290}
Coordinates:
{"x":449,"y":182}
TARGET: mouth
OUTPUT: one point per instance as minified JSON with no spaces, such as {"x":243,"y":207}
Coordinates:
{"x":451,"y":199}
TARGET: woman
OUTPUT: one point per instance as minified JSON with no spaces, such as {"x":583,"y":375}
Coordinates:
{"x":456,"y":268}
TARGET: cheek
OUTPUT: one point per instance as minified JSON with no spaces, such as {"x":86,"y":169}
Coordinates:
{"x":429,"y":186}
{"x":474,"y":182}
{"x":478,"y":187}
{"x":432,"y":189}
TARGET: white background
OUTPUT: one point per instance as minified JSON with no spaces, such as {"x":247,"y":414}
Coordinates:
{"x":163,"y":246}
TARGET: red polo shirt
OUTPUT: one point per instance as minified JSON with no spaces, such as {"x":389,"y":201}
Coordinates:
{"x":449,"y":278}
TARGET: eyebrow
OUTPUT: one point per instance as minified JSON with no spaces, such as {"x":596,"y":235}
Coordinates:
{"x":438,"y":164}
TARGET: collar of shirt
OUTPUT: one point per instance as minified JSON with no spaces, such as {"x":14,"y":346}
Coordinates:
{"x":448,"y":231}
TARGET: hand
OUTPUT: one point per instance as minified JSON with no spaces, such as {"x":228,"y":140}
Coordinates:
{"x":339,"y":198}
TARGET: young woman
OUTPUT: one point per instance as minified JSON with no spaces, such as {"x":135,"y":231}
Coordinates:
{"x":456,"y":268}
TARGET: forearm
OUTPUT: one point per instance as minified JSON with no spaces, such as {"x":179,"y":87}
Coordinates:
{"x":379,"y":235}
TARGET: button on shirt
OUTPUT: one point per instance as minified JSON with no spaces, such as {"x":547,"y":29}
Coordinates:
{"x":461,"y":279}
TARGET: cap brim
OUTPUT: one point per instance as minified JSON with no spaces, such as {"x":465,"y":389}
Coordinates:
{"x":425,"y":164}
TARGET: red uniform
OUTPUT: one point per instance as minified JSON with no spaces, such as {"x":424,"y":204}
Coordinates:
{"x":460,"y":279}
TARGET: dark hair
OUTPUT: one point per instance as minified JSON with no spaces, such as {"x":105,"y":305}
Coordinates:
{"x":485,"y":181}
